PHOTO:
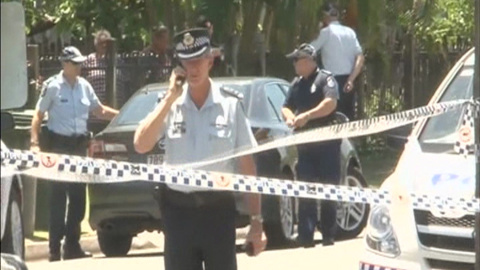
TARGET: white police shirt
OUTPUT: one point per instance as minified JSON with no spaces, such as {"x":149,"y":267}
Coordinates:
{"x":67,"y":106}
{"x":339,"y":46}
{"x":220,"y":126}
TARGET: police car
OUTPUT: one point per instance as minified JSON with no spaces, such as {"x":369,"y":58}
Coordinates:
{"x":118,"y":212}
{"x":400,"y":237}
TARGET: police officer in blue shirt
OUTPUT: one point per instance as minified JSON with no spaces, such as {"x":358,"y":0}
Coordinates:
{"x":311,"y":103}
{"x":68,"y":99}
{"x":201,"y":120}
{"x":341,"y":54}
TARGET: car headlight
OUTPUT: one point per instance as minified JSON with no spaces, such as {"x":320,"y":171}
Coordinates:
{"x":381,"y":237}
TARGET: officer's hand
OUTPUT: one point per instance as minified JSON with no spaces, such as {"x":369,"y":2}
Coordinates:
{"x":35,"y":148}
{"x":301,"y":120}
{"x":289,"y":123}
{"x":177,"y":78}
{"x":256,"y":238}
{"x":348,"y":87}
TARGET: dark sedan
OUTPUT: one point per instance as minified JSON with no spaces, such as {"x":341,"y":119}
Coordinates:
{"x":118,"y":212}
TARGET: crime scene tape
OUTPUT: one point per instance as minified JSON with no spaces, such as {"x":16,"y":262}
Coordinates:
{"x":352,"y":129}
{"x":97,"y":171}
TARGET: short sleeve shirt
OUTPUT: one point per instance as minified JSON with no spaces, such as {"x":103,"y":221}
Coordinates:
{"x":220,"y":126}
{"x":306,"y":93}
{"x":67,"y":107}
{"x":338,"y":46}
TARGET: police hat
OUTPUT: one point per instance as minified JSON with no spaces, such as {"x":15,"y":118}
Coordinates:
{"x":304,"y":50}
{"x":72,"y":54}
{"x":192,"y":43}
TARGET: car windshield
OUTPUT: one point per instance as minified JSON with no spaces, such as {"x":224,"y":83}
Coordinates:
{"x":442,"y":131}
{"x":137,"y":108}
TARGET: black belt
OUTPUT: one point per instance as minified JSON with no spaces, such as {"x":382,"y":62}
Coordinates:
{"x":62,"y":139}
{"x":198,"y":199}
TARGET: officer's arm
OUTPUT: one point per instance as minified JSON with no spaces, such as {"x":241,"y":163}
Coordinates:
{"x":35,"y":130}
{"x":357,"y":68}
{"x":326,"y":107}
{"x":104,"y":112}
{"x":246,"y":166}
{"x":152,"y":126}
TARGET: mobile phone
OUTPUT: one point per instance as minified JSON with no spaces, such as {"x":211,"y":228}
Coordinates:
{"x":180,"y":79}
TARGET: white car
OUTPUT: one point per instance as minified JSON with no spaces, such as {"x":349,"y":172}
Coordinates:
{"x":400,"y":237}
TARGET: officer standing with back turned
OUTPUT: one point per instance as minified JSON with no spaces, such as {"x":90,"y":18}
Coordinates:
{"x":68,"y":99}
{"x":311,"y":103}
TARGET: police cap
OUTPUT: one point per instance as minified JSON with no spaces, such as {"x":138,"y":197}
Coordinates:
{"x":192,"y":43}
{"x":304,"y":50}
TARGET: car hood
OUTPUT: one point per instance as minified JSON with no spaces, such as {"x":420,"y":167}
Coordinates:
{"x":451,"y":175}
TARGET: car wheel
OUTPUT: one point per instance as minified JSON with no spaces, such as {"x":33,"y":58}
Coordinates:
{"x":279,"y":229}
{"x":352,"y":217}
{"x":13,"y":241}
{"x":114,"y":244}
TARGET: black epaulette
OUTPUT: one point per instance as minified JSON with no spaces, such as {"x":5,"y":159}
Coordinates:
{"x":231,"y":92}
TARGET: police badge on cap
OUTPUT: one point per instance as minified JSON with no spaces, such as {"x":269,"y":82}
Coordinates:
{"x":192,"y":43}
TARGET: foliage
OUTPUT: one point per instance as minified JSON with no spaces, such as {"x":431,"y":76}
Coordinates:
{"x":442,"y":24}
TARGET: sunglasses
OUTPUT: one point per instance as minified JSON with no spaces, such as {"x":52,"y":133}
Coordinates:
{"x":75,"y":63}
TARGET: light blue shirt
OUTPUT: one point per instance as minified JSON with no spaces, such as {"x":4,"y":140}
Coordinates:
{"x":67,"y":106}
{"x":219,"y":126}
{"x":339,"y":47}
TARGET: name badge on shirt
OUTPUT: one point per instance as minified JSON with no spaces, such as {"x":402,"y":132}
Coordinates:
{"x":178,"y":128}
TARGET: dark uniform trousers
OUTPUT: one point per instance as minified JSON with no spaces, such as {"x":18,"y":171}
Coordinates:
{"x":346,"y":103}
{"x":199,"y":230}
{"x":58,"y":226}
{"x":318,"y":163}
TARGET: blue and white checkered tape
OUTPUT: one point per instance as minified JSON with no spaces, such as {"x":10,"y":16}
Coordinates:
{"x":96,"y":171}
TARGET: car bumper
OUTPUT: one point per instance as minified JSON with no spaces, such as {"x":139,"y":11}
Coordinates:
{"x":123,"y":202}
{"x":372,"y":261}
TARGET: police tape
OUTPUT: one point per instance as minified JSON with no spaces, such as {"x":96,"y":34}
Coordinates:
{"x":97,"y":171}
{"x":361,"y":128}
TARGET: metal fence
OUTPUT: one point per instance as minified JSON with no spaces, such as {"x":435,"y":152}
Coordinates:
{"x":132,"y":71}
{"x":382,"y":88}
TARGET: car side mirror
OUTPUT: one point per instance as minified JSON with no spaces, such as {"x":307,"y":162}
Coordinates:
{"x":8,"y":122}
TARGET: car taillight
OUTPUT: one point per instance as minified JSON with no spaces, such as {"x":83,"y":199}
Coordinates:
{"x":96,"y":149}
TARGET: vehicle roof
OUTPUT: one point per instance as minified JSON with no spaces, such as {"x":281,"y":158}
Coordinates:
{"x":161,"y":86}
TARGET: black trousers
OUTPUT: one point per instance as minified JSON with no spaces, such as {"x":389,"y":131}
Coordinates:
{"x":318,"y":163}
{"x":200,"y":237}
{"x":346,"y":104}
{"x":59,"y":226}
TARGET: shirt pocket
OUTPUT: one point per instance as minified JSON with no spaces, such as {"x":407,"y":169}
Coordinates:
{"x":221,"y":139}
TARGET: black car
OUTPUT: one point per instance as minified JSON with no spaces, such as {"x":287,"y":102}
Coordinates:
{"x":119,"y":211}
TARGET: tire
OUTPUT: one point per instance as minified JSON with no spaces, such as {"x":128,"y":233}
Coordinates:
{"x":352,"y":217}
{"x":114,"y":244}
{"x":279,"y":229}
{"x":13,"y":241}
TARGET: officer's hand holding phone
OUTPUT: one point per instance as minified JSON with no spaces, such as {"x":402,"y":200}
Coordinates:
{"x":177,"y":79}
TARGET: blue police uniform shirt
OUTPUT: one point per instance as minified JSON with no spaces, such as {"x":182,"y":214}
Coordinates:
{"x":220,"y":126}
{"x":67,"y":107}
{"x":339,"y":46}
{"x":306,"y":93}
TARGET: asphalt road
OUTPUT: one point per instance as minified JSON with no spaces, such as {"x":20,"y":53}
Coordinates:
{"x":343,"y":255}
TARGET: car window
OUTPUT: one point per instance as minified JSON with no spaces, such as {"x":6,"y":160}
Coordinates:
{"x":275,"y":97}
{"x":441,"y":131}
{"x":137,"y":108}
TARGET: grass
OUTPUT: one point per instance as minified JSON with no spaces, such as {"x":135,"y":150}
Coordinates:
{"x":377,"y":165}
